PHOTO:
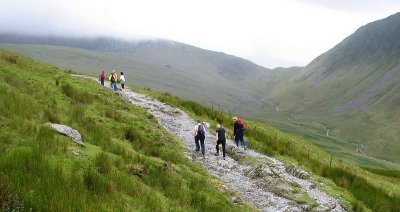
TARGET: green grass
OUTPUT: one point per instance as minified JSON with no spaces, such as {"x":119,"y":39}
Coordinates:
{"x":129,"y":163}
{"x":337,"y":146}
{"x":376,"y":129}
{"x":358,"y":189}
{"x":389,"y":173}
{"x":162,"y":66}
{"x":373,"y":124}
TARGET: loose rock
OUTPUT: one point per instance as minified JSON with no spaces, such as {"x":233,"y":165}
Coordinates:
{"x":68,"y":131}
{"x":76,"y":152}
{"x":293,"y":170}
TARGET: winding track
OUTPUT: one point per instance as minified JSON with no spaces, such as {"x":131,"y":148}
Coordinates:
{"x":230,"y":171}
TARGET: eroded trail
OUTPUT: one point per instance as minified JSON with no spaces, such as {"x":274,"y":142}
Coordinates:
{"x":257,"y":184}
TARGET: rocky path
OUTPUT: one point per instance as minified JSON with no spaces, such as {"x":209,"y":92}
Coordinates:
{"x":260,"y":185}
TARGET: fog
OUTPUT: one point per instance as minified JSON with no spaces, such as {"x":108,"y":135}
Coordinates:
{"x":270,"y":33}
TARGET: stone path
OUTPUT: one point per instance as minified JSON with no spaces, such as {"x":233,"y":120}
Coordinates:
{"x":255,"y":184}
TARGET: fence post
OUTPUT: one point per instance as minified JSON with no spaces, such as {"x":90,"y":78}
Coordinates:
{"x":355,"y":179}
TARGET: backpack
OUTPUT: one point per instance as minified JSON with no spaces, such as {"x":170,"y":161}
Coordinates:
{"x":112,"y":79}
{"x":200,"y":129}
{"x":242,"y":124}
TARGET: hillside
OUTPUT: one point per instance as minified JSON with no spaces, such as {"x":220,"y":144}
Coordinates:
{"x":373,"y":190}
{"x":367,"y":61}
{"x":170,"y":66}
{"x":128,"y":163}
{"x":354,"y":89}
{"x":225,"y":95}
{"x":131,"y":163}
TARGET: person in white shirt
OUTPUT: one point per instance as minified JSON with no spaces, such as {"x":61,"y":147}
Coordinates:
{"x":122,"y":80}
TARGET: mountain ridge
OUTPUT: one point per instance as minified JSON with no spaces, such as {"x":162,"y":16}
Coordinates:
{"x":109,"y":44}
{"x":352,"y":51}
{"x":353,"y":87}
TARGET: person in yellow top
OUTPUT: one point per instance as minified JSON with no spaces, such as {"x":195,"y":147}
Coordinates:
{"x":113,"y":80}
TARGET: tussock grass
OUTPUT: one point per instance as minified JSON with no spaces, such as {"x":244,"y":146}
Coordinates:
{"x":132,"y":134}
{"x":103,"y":163}
{"x":384,"y":172}
{"x":77,"y":95}
{"x":10,"y":58}
{"x":128,"y":163}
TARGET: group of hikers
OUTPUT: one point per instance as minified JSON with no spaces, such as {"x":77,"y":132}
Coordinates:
{"x":239,"y":128}
{"x":113,"y":78}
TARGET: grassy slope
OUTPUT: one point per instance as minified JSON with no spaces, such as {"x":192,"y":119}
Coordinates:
{"x":188,"y":73}
{"x":363,"y":69}
{"x":358,"y":189}
{"x":307,"y":106}
{"x":374,"y":124}
{"x":303,"y":126}
{"x":129,"y":162}
{"x":264,"y":138}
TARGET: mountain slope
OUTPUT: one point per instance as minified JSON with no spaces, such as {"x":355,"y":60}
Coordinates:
{"x":129,"y":162}
{"x":184,"y":57}
{"x":161,"y":64}
{"x":354,"y":88}
{"x":362,"y":58}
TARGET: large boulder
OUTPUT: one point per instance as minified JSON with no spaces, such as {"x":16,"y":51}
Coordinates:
{"x":68,"y":131}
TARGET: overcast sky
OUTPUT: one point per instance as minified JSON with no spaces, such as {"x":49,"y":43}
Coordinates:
{"x":270,"y":33}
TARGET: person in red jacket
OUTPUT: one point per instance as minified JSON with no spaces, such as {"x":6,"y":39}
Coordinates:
{"x":102,"y":76}
{"x":239,"y":128}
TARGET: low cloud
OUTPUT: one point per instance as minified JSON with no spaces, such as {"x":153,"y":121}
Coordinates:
{"x":355,"y":5}
{"x":270,"y":33}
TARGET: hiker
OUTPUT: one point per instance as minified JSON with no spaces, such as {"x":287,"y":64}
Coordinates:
{"x":220,"y":138}
{"x":112,"y":80}
{"x":199,"y":135}
{"x":122,"y":80}
{"x":102,"y":76}
{"x":116,"y":80}
{"x":239,"y":128}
